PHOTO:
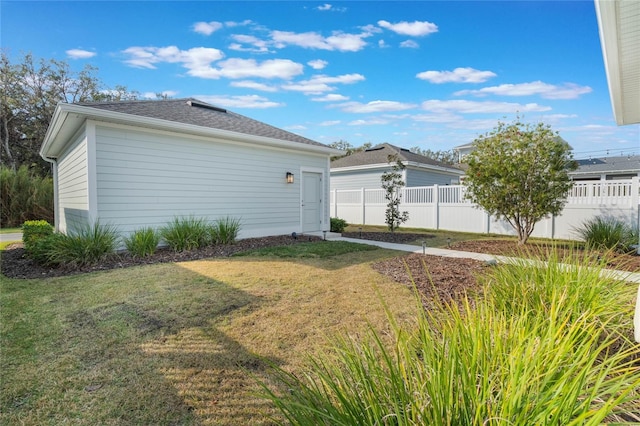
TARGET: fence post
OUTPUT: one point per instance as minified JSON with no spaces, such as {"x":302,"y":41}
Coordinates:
{"x":436,"y":207}
{"x":635,"y":207}
{"x":364,"y":206}
{"x":335,"y":202}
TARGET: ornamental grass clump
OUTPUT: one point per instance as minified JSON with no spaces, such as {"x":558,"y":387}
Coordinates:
{"x":142,"y":242}
{"x":607,"y":233}
{"x":186,"y":233}
{"x":88,"y":245}
{"x":553,"y":358}
{"x":225,"y":230}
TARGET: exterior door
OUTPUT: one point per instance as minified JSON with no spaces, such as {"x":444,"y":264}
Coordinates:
{"x":311,"y":202}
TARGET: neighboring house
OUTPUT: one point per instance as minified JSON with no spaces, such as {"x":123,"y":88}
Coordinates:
{"x":364,"y":169}
{"x":462,"y":151}
{"x":142,"y":163}
{"x":609,"y":168}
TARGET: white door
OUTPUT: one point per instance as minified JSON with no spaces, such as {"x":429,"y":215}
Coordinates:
{"x":311,"y":202}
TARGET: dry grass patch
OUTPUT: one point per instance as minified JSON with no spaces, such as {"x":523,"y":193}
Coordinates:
{"x":177,"y":343}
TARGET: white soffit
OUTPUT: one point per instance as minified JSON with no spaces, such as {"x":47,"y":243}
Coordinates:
{"x":619,"y":23}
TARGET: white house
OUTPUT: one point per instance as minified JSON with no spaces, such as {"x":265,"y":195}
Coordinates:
{"x":142,"y":163}
{"x":607,"y":168}
{"x":364,"y":169}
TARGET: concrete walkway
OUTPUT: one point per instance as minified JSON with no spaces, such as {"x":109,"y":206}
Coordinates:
{"x":17,"y":236}
{"x":483,"y":257}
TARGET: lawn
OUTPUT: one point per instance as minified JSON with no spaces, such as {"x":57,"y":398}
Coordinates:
{"x":179,"y":343}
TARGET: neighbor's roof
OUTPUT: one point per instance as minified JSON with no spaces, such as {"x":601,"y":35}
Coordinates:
{"x":627,"y":164}
{"x":379,"y":155}
{"x":184,"y":115}
{"x":619,"y":23}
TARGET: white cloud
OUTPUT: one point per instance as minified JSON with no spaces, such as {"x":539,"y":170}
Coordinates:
{"x":233,"y":68}
{"x":248,"y":101}
{"x":382,"y":44}
{"x":247,"y":84}
{"x":545,"y":90}
{"x":330,"y":123}
{"x":80,"y":54}
{"x":371,"y":122}
{"x":329,"y":7}
{"x":153,"y":95}
{"x":207,"y":28}
{"x":444,"y":117}
{"x":325,"y":6}
{"x":321,"y":83}
{"x":458,"y":75}
{"x":332,"y":97}
{"x":194,"y":59}
{"x":409,"y":44}
{"x":296,"y":127}
{"x":311,"y":40}
{"x":375,"y":106}
{"x":257,"y":45}
{"x":474,"y":107}
{"x":414,"y":29}
{"x":317,"y":64}
{"x":232,"y":24}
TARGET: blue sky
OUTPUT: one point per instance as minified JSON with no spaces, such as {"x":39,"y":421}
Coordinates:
{"x":419,"y":73}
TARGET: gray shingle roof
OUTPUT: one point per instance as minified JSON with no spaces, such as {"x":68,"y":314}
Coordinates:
{"x":609,"y":164}
{"x":198,"y":113}
{"x":379,"y":155}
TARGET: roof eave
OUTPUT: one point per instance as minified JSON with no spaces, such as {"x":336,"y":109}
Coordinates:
{"x":62,"y":112}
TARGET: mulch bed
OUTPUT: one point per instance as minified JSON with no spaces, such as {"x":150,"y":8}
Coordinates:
{"x":15,"y":264}
{"x":388,"y":237}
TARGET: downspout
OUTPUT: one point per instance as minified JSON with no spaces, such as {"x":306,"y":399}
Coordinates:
{"x":54,"y":167}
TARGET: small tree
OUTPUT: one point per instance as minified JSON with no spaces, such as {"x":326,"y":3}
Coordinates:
{"x":392,"y":183}
{"x":519,"y":172}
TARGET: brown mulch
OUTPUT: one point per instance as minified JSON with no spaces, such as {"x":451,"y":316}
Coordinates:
{"x":15,"y":264}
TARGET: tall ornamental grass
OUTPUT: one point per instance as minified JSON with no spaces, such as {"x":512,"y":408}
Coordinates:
{"x":88,"y":245}
{"x":186,"y":233}
{"x":608,"y":233}
{"x":24,"y":196}
{"x":143,"y":242}
{"x":542,"y":348}
{"x":225,"y":230}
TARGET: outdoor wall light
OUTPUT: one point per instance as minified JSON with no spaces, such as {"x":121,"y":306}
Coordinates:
{"x":289,"y":177}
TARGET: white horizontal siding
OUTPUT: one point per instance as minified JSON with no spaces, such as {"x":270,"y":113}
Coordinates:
{"x":73,"y":201}
{"x":428,"y":178}
{"x":357,"y":179}
{"x":145,"y":178}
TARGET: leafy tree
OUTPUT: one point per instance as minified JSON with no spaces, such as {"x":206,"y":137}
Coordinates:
{"x":29,"y":93}
{"x":446,"y":157}
{"x":348,"y":148}
{"x":392,"y":183}
{"x":519,"y":172}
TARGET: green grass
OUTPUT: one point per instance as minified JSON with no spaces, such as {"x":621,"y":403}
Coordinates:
{"x":319,"y":250}
{"x":10,"y":230}
{"x":176,"y":343}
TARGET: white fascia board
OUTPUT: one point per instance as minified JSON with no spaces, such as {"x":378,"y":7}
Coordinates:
{"x":608,"y":172}
{"x":606,"y":12}
{"x":63,"y":110}
{"x":362,"y":167}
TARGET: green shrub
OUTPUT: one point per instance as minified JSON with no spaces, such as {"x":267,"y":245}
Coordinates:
{"x":186,"y":233}
{"x":225,"y":231}
{"x":557,"y":360}
{"x":24,"y":196}
{"x":607,"y":233}
{"x":42,"y":249}
{"x":338,"y":225}
{"x":33,"y":230}
{"x":87,"y":246}
{"x":143,"y":242}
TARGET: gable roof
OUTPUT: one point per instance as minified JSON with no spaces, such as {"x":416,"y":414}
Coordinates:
{"x":379,"y":156}
{"x":183,"y":115}
{"x":622,"y":164}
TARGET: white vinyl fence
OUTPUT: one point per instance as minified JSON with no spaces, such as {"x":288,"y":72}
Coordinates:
{"x":446,"y":208}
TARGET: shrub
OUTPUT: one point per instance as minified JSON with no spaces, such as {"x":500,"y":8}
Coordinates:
{"x":186,"y":233}
{"x":33,"y":230}
{"x":338,"y":225}
{"x":41,"y":250}
{"x":225,"y":231}
{"x":87,"y":246}
{"x":607,"y":233}
{"x":143,"y":242}
{"x":553,"y":361}
{"x":24,"y":196}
